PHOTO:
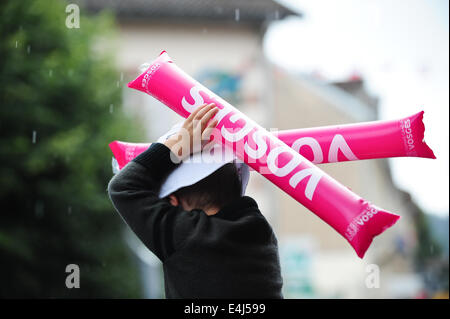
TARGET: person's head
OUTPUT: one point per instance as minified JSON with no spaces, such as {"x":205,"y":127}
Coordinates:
{"x":212,"y":192}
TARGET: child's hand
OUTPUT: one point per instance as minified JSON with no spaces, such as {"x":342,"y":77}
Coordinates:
{"x":194,"y":131}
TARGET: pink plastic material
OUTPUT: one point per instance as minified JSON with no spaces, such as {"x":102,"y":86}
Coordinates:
{"x":125,"y":152}
{"x":353,"y":217}
{"x":368,"y":140}
{"x":339,"y":143}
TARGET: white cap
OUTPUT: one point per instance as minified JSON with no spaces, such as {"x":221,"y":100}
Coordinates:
{"x":200,"y":165}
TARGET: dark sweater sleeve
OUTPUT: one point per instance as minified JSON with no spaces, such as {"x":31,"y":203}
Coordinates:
{"x":134,"y":194}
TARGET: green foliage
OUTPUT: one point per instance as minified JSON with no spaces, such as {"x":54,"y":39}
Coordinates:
{"x":56,"y":93}
{"x":430,"y":258}
{"x":427,"y":246}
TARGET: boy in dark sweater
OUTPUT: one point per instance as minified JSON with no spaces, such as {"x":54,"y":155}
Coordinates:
{"x":213,"y":242}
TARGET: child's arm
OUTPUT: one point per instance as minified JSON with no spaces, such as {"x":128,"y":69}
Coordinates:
{"x":134,"y":193}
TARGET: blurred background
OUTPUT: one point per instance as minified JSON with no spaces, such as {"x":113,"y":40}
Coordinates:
{"x":286,"y":64}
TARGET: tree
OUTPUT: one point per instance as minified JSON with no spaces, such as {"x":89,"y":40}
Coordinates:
{"x":430,"y":259}
{"x":60,"y":107}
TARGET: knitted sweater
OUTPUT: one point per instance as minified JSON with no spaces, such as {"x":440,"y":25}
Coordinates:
{"x":232,"y":254}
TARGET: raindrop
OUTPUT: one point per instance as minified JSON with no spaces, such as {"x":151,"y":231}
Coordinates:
{"x":205,"y":30}
{"x":69,"y":210}
{"x":33,"y":138}
{"x":17,"y":42}
{"x":118,"y":83}
{"x":29,"y":49}
{"x":70,"y":72}
{"x":237,"y":15}
{"x":111,"y":107}
{"x":121,"y":76}
{"x":50,"y":73}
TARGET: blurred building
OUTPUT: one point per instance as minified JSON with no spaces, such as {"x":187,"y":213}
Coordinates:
{"x":335,"y":269}
{"x":220,"y":44}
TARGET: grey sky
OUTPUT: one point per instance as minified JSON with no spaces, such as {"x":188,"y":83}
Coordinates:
{"x":401,"y":48}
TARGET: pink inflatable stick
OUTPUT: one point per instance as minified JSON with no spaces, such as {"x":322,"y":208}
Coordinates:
{"x":367,"y":140}
{"x":353,"y":217}
{"x":339,"y":143}
{"x":125,"y":152}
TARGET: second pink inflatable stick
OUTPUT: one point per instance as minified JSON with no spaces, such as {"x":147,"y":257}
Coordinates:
{"x":337,"y":143}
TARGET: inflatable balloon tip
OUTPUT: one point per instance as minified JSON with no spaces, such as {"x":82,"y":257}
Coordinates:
{"x":384,"y":221}
{"x":427,"y":151}
{"x":120,"y":157}
{"x":113,"y":145}
{"x":135,"y":84}
{"x":422,"y":148}
{"x":432,"y":156}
